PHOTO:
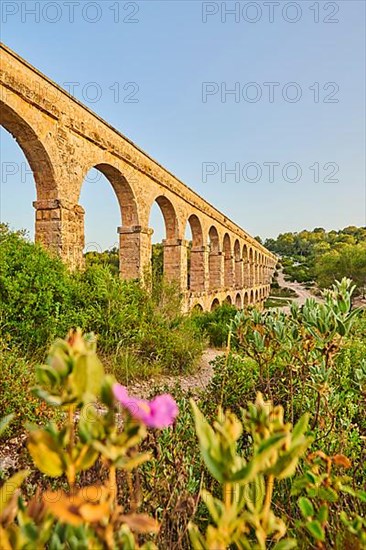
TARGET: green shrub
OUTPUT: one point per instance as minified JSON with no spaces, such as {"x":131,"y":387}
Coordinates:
{"x":34,"y":292}
{"x":215,"y":325}
{"x":40,"y":299}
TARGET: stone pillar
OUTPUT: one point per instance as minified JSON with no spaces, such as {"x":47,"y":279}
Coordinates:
{"x":199,"y":275}
{"x":239,"y":273}
{"x":229,"y":271}
{"x":216,"y":270}
{"x":134,"y":252}
{"x":175,"y":261}
{"x":59,"y":227}
{"x":256,"y":274}
{"x":260,"y":274}
{"x":246,"y":275}
{"x":251,"y":274}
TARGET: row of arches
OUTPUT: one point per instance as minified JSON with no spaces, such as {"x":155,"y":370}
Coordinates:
{"x":240,"y":300}
{"x":215,"y":256}
{"x":200,"y":255}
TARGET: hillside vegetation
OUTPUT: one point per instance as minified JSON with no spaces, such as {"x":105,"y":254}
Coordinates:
{"x":323,"y":256}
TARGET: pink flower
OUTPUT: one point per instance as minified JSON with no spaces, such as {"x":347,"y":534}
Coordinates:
{"x":160,"y":412}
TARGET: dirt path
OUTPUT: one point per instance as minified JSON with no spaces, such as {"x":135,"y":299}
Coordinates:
{"x":190,"y":382}
{"x":11,"y":449}
{"x":302,"y":292}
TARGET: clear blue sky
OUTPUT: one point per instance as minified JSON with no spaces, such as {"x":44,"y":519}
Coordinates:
{"x":168,"y":53}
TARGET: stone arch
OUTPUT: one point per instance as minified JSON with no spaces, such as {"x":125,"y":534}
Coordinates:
{"x":252,"y":297}
{"x":169,"y":215}
{"x":124,"y":193}
{"x":34,"y":150}
{"x":197,"y":259}
{"x":238,"y":302}
{"x":58,"y":221}
{"x":214,"y":259}
{"x":228,"y":262}
{"x":196,"y":229}
{"x":168,"y":258}
{"x":246,"y":299}
{"x":215,"y":304}
{"x":197,"y":307}
{"x":238,"y":265}
{"x":228,"y":299}
{"x":134,"y":241}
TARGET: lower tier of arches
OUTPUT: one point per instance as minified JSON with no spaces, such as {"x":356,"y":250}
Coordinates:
{"x":209,"y":300}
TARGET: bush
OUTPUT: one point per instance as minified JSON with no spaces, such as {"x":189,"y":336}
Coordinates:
{"x":34,"y":293}
{"x":40,"y":300}
{"x":215,"y":325}
{"x":284,"y":292}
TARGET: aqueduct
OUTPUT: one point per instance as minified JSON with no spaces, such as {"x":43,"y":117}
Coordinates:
{"x":62,"y":140}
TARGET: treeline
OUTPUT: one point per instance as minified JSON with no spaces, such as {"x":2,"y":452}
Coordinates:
{"x":323,"y":256}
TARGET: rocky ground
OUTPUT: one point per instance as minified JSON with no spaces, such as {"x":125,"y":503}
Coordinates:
{"x":188,"y":383}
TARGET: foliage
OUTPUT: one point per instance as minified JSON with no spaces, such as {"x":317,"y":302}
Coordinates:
{"x":283,"y":292}
{"x":215,"y":325}
{"x":34,"y":292}
{"x":40,"y":300}
{"x":323,"y":256}
{"x":245,"y":513}
{"x":276,"y":302}
{"x":139,"y":333}
{"x":312,"y":360}
{"x":308,"y":362}
{"x":16,"y":377}
{"x":157,"y":261}
{"x":349,"y":260}
{"x":73,"y":378}
{"x":108,"y":258}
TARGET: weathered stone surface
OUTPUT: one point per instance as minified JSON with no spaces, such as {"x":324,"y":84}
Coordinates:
{"x":62,"y":140}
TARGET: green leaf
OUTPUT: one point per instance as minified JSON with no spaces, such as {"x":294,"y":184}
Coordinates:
{"x":301,"y":426}
{"x":5,"y":421}
{"x":9,"y":488}
{"x":106,"y":390}
{"x":254,"y":493}
{"x":208,"y":444}
{"x":316,"y":530}
{"x":286,"y":544}
{"x":214,"y":506}
{"x":306,"y":507}
{"x":46,"y":453}
{"x":48,"y":398}
{"x":328,"y":494}
{"x":130,"y":464}
{"x":197,"y":540}
{"x":87,"y":457}
{"x":87,"y":376}
{"x":323,"y":513}
{"x":287,"y":462}
{"x":47,"y":375}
